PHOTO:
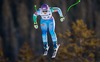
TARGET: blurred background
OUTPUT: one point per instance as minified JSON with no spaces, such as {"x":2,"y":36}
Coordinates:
{"x":79,"y":34}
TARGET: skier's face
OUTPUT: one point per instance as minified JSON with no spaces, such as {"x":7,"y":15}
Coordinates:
{"x":45,"y":11}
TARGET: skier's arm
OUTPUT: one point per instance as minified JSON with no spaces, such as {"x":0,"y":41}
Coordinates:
{"x":56,"y":9}
{"x":35,"y":16}
{"x":35,"y":19}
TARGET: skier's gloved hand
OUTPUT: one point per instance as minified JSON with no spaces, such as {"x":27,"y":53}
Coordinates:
{"x":62,"y":19}
{"x":35,"y":25}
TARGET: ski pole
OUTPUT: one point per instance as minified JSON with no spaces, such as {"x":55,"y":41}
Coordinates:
{"x":35,"y":8}
{"x":78,"y":1}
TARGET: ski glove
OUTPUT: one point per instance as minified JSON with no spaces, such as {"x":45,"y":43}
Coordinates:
{"x":62,"y":19}
{"x":36,"y":26}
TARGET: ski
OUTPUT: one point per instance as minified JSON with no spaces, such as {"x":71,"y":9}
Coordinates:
{"x":55,"y":51}
{"x":46,"y":52}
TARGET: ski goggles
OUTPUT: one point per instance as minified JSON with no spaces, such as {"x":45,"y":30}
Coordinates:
{"x":44,"y":11}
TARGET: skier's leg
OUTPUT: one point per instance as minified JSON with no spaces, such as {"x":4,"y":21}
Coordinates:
{"x":44,"y":33}
{"x":52,"y":32}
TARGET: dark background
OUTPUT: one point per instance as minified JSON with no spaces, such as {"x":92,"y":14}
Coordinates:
{"x":16,"y":24}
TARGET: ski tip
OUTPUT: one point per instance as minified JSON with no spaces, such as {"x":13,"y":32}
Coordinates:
{"x":53,"y":57}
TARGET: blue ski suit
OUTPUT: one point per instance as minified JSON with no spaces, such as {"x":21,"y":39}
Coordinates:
{"x":47,"y":22}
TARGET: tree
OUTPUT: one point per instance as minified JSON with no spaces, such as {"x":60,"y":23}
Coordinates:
{"x":25,"y":53}
{"x":2,"y":58}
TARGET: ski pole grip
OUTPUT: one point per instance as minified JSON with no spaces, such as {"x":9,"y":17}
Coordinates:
{"x":35,"y":8}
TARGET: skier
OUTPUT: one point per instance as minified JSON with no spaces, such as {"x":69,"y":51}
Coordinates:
{"x":47,"y":22}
